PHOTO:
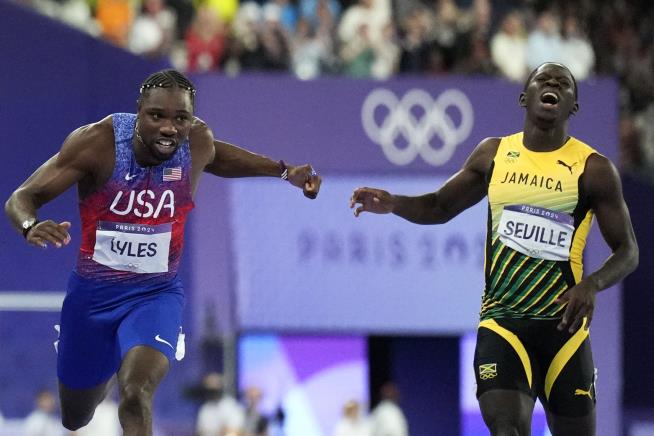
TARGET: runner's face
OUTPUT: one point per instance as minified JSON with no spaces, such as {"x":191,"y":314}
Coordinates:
{"x":550,"y":94}
{"x":164,"y":121}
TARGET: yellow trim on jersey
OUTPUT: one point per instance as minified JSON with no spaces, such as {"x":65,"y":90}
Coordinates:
{"x":577,"y":247}
{"x":563,"y":356}
{"x":513,"y":340}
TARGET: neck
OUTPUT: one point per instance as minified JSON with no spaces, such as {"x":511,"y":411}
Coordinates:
{"x":539,"y":138}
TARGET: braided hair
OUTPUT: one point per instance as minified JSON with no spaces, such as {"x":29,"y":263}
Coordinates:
{"x":167,"y":79}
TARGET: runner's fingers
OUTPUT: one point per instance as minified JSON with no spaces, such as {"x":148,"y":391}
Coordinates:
{"x":312,"y":184}
{"x":48,"y":234}
{"x":577,"y":323}
{"x":567,"y":316}
{"x":37,"y":242}
{"x":356,"y":197}
{"x":583,"y":310}
{"x":61,"y":233}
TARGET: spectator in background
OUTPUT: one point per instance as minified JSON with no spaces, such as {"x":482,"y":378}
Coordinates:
{"x":220,"y":414}
{"x":244,"y":45}
{"x":358,"y":54}
{"x":478,"y":60}
{"x":364,"y":35}
{"x":544,"y":42}
{"x":153,"y":31}
{"x":205,"y":42}
{"x":44,"y":421}
{"x":372,"y":14}
{"x":275,"y":49}
{"x":509,"y":48}
{"x":77,"y":13}
{"x":311,"y":10}
{"x":578,"y":53}
{"x":310,"y":54}
{"x":473,"y":23}
{"x":352,"y":423}
{"x":115,"y":18}
{"x":386,"y":54}
{"x":471,"y":52}
{"x":184,"y":11}
{"x":255,"y":423}
{"x":387,"y":419}
{"x":446,"y":31}
{"x":288,"y":16}
{"x":414,"y":41}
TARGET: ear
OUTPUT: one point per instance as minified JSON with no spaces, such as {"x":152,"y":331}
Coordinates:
{"x":522,"y":100}
{"x":575,"y":109}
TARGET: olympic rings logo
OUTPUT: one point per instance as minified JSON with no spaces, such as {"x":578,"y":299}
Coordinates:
{"x":425,"y":125}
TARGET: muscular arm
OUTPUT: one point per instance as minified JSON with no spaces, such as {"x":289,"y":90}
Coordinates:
{"x":463,"y":190}
{"x":71,"y":164}
{"x":602,"y":183}
{"x":233,"y":161}
{"x":604,"y":192}
{"x":228,"y":160}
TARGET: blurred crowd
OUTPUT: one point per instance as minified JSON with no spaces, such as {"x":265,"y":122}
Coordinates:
{"x":219,"y":414}
{"x":379,"y":39}
{"x":223,"y":415}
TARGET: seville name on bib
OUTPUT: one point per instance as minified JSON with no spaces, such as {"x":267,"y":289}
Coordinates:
{"x":536,"y":231}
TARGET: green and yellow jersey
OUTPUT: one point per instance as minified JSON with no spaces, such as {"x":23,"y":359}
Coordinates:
{"x":538,"y":221}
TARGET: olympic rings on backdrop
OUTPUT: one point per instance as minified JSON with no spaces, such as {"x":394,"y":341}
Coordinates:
{"x":418,"y":128}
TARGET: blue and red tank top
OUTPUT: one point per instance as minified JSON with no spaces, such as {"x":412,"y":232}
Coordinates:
{"x":133,"y":226}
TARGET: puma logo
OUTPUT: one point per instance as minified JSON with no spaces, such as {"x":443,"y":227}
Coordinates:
{"x":585,"y":393}
{"x":560,"y":162}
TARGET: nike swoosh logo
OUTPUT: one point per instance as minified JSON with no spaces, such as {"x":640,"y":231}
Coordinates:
{"x":129,"y":177}
{"x":159,"y":339}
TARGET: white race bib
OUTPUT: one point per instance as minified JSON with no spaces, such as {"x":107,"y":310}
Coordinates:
{"x":138,"y":248}
{"x":536,"y":231}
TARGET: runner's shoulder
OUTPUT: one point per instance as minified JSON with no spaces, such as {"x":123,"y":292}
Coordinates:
{"x":90,"y":143}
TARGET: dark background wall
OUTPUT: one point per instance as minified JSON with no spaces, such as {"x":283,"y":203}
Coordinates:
{"x":639,"y":301}
{"x":426,"y":373}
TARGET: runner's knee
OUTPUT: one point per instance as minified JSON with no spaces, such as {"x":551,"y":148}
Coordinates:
{"x":504,"y":425}
{"x":135,"y":399}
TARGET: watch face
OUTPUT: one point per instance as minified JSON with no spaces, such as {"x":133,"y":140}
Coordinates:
{"x":28,"y":223}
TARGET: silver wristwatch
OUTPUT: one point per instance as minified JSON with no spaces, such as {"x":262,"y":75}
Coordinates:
{"x":27,"y":225}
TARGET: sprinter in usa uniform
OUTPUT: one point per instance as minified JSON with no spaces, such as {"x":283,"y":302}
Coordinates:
{"x":136,"y":175}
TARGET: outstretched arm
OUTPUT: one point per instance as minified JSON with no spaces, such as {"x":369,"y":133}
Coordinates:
{"x":604,"y":191}
{"x":463,"y":190}
{"x":70,"y":165}
{"x":233,"y":161}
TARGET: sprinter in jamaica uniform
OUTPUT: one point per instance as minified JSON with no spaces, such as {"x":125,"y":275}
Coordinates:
{"x":544,"y":187}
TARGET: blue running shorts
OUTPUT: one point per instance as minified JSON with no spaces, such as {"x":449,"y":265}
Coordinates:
{"x":101,"y":322}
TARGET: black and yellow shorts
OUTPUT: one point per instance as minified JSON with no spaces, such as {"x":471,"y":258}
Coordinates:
{"x":534,"y":357}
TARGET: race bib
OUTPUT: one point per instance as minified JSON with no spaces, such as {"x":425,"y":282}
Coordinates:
{"x":536,"y":231}
{"x":138,"y":248}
